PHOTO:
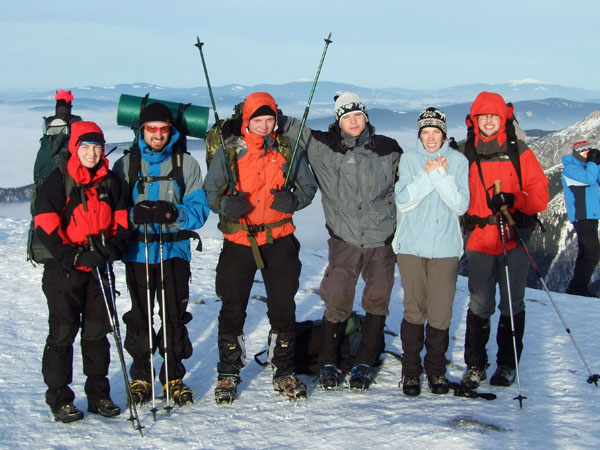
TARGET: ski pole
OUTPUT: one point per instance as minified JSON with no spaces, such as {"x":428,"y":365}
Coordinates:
{"x":510,"y":307}
{"x":164,"y":320}
{"x":593,"y":378}
{"x":150,"y":326}
{"x":232,"y":180}
{"x":111,"y":310}
{"x":305,"y":116}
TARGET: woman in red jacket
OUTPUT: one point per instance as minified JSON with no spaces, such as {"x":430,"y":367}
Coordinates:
{"x":77,"y":204}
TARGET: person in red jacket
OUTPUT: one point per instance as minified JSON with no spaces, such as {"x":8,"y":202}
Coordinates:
{"x":256,"y":222}
{"x":84,"y":229}
{"x":524,"y":191}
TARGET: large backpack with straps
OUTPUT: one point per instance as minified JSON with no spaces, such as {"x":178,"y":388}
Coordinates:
{"x":309,"y":334}
{"x":515,"y":137}
{"x":53,"y":153}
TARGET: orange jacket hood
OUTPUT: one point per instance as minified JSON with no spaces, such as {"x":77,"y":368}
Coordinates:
{"x":252,"y":103}
{"x":80,"y":132}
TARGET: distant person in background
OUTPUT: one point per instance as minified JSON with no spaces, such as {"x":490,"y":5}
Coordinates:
{"x":580,"y":178}
{"x":62,"y":118}
{"x":524,"y":192}
{"x":356,"y":170}
{"x":432,"y":193}
{"x":452,"y":143}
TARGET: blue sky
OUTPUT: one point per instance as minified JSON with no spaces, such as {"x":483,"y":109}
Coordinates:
{"x":379,"y":43}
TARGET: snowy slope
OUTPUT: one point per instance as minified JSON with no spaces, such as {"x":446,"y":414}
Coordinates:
{"x":561,"y":409}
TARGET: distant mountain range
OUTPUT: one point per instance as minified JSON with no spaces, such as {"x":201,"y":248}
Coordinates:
{"x":537,"y":105}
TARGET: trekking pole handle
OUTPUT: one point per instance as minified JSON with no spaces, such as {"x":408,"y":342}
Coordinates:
{"x":503,"y":208}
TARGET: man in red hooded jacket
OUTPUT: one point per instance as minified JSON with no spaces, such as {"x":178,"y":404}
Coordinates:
{"x":256,"y":222}
{"x":66,"y":222}
{"x":524,"y":195}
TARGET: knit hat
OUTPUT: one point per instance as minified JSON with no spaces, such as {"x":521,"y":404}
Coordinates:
{"x":156,"y":112}
{"x":348,"y":102}
{"x":579,"y":147}
{"x":264,"y":110}
{"x":432,"y":117}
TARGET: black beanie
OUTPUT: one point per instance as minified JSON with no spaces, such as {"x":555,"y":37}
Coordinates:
{"x":264,"y":110}
{"x":156,"y":112}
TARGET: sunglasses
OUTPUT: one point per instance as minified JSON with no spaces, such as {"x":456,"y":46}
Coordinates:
{"x":164,"y":129}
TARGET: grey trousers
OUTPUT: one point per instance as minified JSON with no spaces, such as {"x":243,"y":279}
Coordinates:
{"x":485,"y":271}
{"x":429,"y":286}
{"x":346,"y":263}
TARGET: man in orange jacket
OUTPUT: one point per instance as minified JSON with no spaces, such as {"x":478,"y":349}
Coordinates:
{"x":524,"y":191}
{"x":256,"y":222}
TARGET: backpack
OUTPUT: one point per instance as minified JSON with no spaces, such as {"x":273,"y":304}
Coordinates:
{"x":515,"y":136}
{"x":309,"y":335}
{"x":53,"y":153}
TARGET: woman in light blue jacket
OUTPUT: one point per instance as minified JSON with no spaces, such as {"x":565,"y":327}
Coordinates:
{"x":431,"y":194}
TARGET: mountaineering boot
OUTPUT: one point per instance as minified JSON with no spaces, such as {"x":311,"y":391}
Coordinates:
{"x":104,"y":406}
{"x":411,"y":385}
{"x":141,"y":391}
{"x":226,"y":388}
{"x":329,"y":377}
{"x":333,"y":333}
{"x":503,"y":376}
{"x":67,"y":413}
{"x":472,"y":377}
{"x":179,"y":392}
{"x":361,"y":377}
{"x":412,"y":336}
{"x":438,"y":384}
{"x":291,"y":386}
{"x":505,"y":358}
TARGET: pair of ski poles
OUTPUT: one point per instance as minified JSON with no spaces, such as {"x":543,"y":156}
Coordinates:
{"x":113,"y":317}
{"x":593,"y":378}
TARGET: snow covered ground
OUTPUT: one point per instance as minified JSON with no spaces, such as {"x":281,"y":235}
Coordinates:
{"x":561,"y":409}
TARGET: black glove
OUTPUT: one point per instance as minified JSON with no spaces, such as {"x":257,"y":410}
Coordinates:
{"x":593,"y":156}
{"x":142,"y":212}
{"x":284,"y":201}
{"x":164,"y":212}
{"x":108,"y":251}
{"x":501,"y":199}
{"x":237,"y":206}
{"x":90,"y":259}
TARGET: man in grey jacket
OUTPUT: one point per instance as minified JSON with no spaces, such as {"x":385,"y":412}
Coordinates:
{"x":356,"y":171}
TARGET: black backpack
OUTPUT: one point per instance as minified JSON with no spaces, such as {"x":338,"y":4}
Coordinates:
{"x":309,"y":334}
{"x":53,"y":153}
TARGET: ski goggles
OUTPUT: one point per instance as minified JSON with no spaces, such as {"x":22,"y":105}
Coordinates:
{"x":164,"y":129}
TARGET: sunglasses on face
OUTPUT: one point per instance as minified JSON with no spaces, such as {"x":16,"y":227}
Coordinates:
{"x":164,"y":129}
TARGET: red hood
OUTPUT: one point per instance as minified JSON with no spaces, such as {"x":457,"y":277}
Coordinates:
{"x":80,"y":173}
{"x":490,"y":103}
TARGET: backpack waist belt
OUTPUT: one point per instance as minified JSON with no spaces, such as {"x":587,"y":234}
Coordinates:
{"x":181,"y":235}
{"x":471,"y":220}
{"x":228,"y":227}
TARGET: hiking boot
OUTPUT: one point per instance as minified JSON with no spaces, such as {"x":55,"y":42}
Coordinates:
{"x":141,"y":391}
{"x":67,"y":413}
{"x":361,"y":377}
{"x":226,"y":388}
{"x":504,"y":376}
{"x":329,"y":377}
{"x":411,"y":385}
{"x":472,"y":377}
{"x":438,"y":384}
{"x":179,"y":392}
{"x":291,"y":386}
{"x":105,"y":407}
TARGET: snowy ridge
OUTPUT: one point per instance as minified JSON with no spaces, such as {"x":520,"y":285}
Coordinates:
{"x":560,"y":411}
